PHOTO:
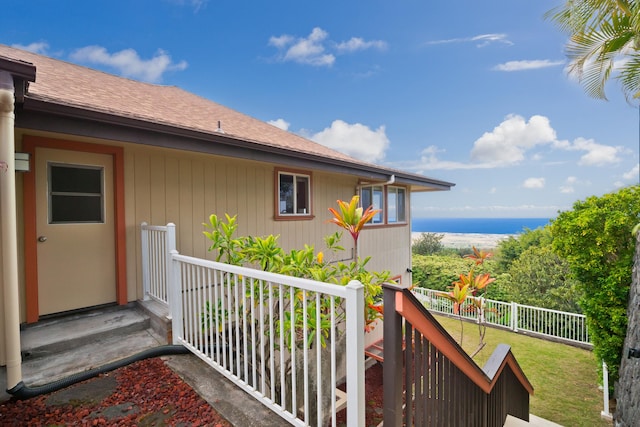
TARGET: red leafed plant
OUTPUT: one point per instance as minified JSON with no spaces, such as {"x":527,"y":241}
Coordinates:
{"x":467,"y":285}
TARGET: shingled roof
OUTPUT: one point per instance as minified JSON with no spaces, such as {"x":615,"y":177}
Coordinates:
{"x":63,"y":84}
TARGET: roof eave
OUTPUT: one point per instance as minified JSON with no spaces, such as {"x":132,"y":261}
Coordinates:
{"x":22,"y":73}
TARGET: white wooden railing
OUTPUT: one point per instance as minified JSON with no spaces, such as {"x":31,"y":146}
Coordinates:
{"x":239,"y":321}
{"x":560,"y":325}
{"x":157,"y":243}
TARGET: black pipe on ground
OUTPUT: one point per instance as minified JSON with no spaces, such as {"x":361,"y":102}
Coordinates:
{"x":21,"y":391}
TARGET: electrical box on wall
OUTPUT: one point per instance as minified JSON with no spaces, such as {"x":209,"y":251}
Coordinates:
{"x":22,"y":162}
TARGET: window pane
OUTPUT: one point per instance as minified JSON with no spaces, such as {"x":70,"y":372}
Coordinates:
{"x":75,"y":194}
{"x":392,"y":206}
{"x":286,"y":194}
{"x":373,"y":196}
{"x":76,"y":180}
{"x":396,"y":204}
{"x":365,"y":197}
{"x":378,"y":203}
{"x":402,"y":200}
{"x":302,"y":194}
{"x":76,"y":209}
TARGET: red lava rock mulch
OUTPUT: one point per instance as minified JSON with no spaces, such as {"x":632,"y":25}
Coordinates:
{"x":145,"y":393}
{"x":373,"y":398}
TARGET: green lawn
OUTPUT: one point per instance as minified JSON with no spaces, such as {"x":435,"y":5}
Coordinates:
{"x":565,"y":378}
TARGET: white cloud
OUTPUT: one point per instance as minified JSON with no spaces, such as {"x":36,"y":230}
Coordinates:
{"x":315,"y":48}
{"x":429,"y":161}
{"x":596,"y":154}
{"x":569,"y":184}
{"x":633,"y":174}
{"x":196,"y":4}
{"x":355,"y":140}
{"x":507,"y":143}
{"x":527,"y":65}
{"x":534,"y":183}
{"x":281,"y":41}
{"x":482,"y":39}
{"x":357,"y":43}
{"x":36,"y":47}
{"x":566,"y":189}
{"x":128,"y":63}
{"x":280,"y":123}
{"x":310,"y":50}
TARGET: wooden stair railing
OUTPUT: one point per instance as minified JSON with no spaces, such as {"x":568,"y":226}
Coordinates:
{"x":442,"y":384}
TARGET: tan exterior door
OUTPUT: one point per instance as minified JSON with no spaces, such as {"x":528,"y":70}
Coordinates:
{"x":75,"y":230}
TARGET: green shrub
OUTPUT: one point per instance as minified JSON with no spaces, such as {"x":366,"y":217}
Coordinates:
{"x":596,"y":240}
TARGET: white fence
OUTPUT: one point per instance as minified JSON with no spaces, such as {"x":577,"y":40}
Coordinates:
{"x":157,"y":244}
{"x":282,"y":339}
{"x":568,"y":327}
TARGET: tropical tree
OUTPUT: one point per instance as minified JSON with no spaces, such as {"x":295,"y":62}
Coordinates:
{"x":595,"y":239}
{"x":427,"y":244}
{"x":604,"y":39}
{"x":511,"y":248}
{"x":541,"y":278}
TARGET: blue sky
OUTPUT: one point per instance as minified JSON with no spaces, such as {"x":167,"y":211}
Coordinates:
{"x":475,"y":94}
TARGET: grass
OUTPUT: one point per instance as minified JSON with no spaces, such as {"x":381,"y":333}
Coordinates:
{"x":565,"y":378}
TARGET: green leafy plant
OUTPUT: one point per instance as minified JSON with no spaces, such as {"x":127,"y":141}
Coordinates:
{"x":595,"y":239}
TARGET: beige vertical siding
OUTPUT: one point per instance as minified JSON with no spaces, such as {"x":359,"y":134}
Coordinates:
{"x":389,"y":248}
{"x":166,"y":185}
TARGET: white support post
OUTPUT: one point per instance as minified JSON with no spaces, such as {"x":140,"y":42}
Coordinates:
{"x":8,"y":224}
{"x":605,"y":391}
{"x":355,"y":354}
{"x":175,"y":309}
{"x":514,"y":317}
{"x":170,"y":244}
{"x":144,"y":244}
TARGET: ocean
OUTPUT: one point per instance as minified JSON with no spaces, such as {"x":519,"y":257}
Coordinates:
{"x":476,"y":225}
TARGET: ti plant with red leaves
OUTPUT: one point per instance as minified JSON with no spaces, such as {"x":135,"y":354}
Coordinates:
{"x":352,"y":218}
{"x":468,"y":285}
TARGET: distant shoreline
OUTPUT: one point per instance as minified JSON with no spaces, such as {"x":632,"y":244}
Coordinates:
{"x":467,"y":240}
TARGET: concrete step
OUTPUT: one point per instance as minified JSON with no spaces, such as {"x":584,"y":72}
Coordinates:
{"x":533,"y":422}
{"x":57,"y":348}
{"x":94,"y":353}
{"x":57,"y":335}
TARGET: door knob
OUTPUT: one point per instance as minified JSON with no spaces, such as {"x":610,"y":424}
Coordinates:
{"x":42,"y":239}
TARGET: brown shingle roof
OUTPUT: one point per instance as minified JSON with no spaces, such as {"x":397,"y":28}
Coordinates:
{"x":72,"y":85}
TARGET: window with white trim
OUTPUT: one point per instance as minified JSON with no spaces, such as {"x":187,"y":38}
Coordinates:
{"x":392,"y":202}
{"x":294,"y":194}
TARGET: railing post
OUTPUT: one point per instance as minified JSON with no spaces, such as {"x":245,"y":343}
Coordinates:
{"x":605,"y":388}
{"x":170,"y":244}
{"x":514,"y":316}
{"x":175,"y":309}
{"x":144,"y":236}
{"x":392,"y":370}
{"x":355,"y":354}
